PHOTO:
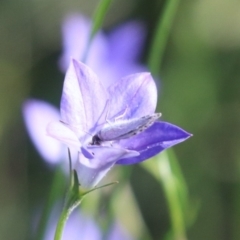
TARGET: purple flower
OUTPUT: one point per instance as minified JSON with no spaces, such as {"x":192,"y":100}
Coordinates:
{"x":87,"y":107}
{"x":110,"y":56}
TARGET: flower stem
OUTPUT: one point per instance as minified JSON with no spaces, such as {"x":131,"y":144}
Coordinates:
{"x":99,"y":15}
{"x":73,"y":199}
{"x":166,"y":170}
{"x":98,"y":18}
{"x":161,"y":36}
{"x":171,"y":187}
{"x":61,"y":223}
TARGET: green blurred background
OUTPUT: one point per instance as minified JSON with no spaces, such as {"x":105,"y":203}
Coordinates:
{"x":199,"y":91}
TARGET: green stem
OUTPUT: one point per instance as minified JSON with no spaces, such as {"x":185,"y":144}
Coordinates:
{"x":61,"y":223}
{"x":161,"y":36}
{"x":99,"y":15}
{"x":171,"y":193}
{"x":73,"y":199}
{"x":163,"y":169}
{"x":98,"y":18}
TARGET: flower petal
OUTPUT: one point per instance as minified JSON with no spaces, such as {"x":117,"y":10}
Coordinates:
{"x":97,"y":57}
{"x":112,"y":56}
{"x":91,"y":171}
{"x":37,"y":114}
{"x":64,"y":134}
{"x":137,"y":94}
{"x":160,"y":136}
{"x":126,"y":42}
{"x":83,"y":98}
{"x":75,"y":33}
{"x":90,"y":177}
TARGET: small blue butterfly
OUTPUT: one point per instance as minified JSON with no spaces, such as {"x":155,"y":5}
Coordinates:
{"x":123,"y":129}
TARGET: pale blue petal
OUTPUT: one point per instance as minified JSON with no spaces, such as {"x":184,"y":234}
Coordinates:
{"x":83,"y":98}
{"x":91,"y":171}
{"x":90,"y":177}
{"x":37,"y":114}
{"x":111,"y":56}
{"x":136,"y":93}
{"x":64,"y":134}
{"x":75,"y":34}
{"x":125,"y":48}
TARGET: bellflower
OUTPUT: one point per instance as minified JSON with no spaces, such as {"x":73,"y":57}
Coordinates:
{"x":111,"y":56}
{"x":86,"y":107}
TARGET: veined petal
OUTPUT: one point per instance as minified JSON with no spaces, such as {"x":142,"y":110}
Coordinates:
{"x":136,"y":93}
{"x":160,"y":136}
{"x":64,"y":134}
{"x":37,"y":114}
{"x":91,"y":171}
{"x":83,"y":98}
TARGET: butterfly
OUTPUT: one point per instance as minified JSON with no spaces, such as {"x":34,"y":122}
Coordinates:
{"x":123,"y":129}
